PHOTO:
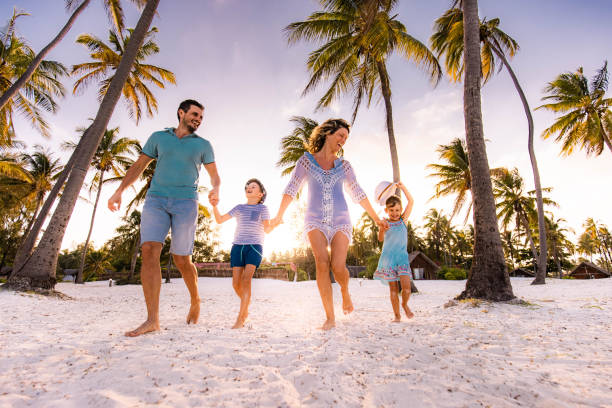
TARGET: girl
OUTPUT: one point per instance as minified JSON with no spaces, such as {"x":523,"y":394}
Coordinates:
{"x":394,"y":263}
{"x":327,"y":220}
{"x":253,"y":219}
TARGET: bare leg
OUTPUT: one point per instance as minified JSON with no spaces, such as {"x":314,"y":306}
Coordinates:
{"x":150,"y":276}
{"x":318,"y":243}
{"x":405,"y":281}
{"x":237,"y":280}
{"x":339,"y":248}
{"x":190,"y":276}
{"x":394,"y":294}
{"x":245,"y":297}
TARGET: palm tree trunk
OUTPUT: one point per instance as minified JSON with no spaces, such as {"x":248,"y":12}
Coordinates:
{"x":27,"y":246}
{"x":39,"y":270}
{"x":33,"y":218}
{"x":557,"y":261}
{"x":134,"y":256}
{"x":540,"y":278}
{"x":79,"y":277}
{"x":10,"y":93}
{"x":534,"y":251}
{"x":488,"y":277}
{"x":386,"y":91}
{"x":168,"y":268}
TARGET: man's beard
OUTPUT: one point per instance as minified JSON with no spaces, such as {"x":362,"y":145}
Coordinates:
{"x":190,"y":127}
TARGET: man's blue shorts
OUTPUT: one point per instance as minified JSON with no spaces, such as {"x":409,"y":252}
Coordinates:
{"x":249,"y":254}
{"x":161,"y":214}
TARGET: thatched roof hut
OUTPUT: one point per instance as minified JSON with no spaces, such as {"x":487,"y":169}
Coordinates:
{"x":522,"y":272}
{"x":422,"y":266}
{"x":588,"y":270}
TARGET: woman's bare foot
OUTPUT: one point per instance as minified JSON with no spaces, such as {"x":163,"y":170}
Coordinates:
{"x":328,"y":325}
{"x":408,"y":312}
{"x":240,"y":321}
{"x":347,"y":304}
{"x":146,"y":327}
{"x":194,"y":312}
{"x":397,"y":319}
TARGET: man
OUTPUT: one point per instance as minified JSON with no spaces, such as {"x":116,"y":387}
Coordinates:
{"x":171,"y":204}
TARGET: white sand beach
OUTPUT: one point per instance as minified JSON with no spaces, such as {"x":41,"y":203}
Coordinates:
{"x":556,"y":352}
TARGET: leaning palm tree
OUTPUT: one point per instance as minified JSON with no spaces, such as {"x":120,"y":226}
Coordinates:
{"x":115,"y":13}
{"x":112,"y":155}
{"x":106,"y":60}
{"x":129,"y":233}
{"x":597,"y":232}
{"x":587,"y":121}
{"x":38,"y":270}
{"x":358,"y":39}
{"x":488,"y":277}
{"x":497,"y":48}
{"x":293,"y":146}
{"x":36,"y":95}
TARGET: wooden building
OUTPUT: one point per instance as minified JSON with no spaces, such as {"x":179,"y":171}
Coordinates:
{"x":522,"y":273}
{"x":224,"y":270}
{"x":423,"y":267}
{"x":587,"y":270}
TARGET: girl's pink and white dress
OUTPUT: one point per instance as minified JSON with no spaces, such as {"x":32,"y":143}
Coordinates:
{"x":326,"y":210}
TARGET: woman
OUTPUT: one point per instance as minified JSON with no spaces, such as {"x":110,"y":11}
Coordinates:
{"x":327,"y":220}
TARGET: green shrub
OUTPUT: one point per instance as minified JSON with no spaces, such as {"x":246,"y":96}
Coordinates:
{"x":449,"y":273}
{"x":371,"y":264}
{"x":302,"y":275}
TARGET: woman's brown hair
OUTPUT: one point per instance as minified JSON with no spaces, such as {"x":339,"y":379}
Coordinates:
{"x":319,"y":134}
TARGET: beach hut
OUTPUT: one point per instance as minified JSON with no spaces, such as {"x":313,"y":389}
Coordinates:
{"x":423,"y":267}
{"x":522,"y":273}
{"x":588,"y":270}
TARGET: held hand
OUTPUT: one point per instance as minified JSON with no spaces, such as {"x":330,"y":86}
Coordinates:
{"x":382,"y":224}
{"x":114,"y":203}
{"x":276,"y":221}
{"x":213,"y":197}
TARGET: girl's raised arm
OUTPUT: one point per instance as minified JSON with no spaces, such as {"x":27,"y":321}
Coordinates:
{"x":410,"y":200}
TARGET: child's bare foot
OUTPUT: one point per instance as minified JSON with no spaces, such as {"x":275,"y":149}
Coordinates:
{"x":146,"y":327}
{"x":408,"y":312}
{"x":347,"y":304}
{"x":397,"y":319}
{"x":194,"y":312}
{"x":328,"y":325}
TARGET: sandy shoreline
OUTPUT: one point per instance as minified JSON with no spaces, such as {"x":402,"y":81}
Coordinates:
{"x":556,"y":352}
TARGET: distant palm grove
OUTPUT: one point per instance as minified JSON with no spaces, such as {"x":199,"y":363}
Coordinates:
{"x":497,"y":224}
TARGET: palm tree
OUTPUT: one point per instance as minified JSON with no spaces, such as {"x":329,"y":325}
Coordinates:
{"x":294,"y":145}
{"x":516,"y":206}
{"x":115,"y":13}
{"x":448,"y":40}
{"x":129,"y":233}
{"x":586,"y":120}
{"x":597,"y":233}
{"x":359,"y":37}
{"x":39,"y":268}
{"x":107,"y":59}
{"x":454,"y":175}
{"x":558,"y":242}
{"x":38,"y":93}
{"x":43,"y":170}
{"x":439,"y":231}
{"x":112,"y":156}
{"x":488,"y":277}
{"x":97,"y":263}
{"x":587,"y":245}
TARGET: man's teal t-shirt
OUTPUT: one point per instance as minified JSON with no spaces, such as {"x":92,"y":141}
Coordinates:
{"x":178,"y":163}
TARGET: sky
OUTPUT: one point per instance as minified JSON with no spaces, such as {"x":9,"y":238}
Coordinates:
{"x":232,"y":56}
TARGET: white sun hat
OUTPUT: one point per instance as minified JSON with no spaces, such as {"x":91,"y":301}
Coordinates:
{"x":383,"y":190}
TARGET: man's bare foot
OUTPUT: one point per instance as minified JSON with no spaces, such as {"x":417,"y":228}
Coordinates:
{"x":347,"y":304}
{"x":408,"y":312}
{"x":328,"y":325}
{"x":146,"y":327}
{"x":240,"y":321}
{"x":397,"y":319}
{"x":194,"y":312}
